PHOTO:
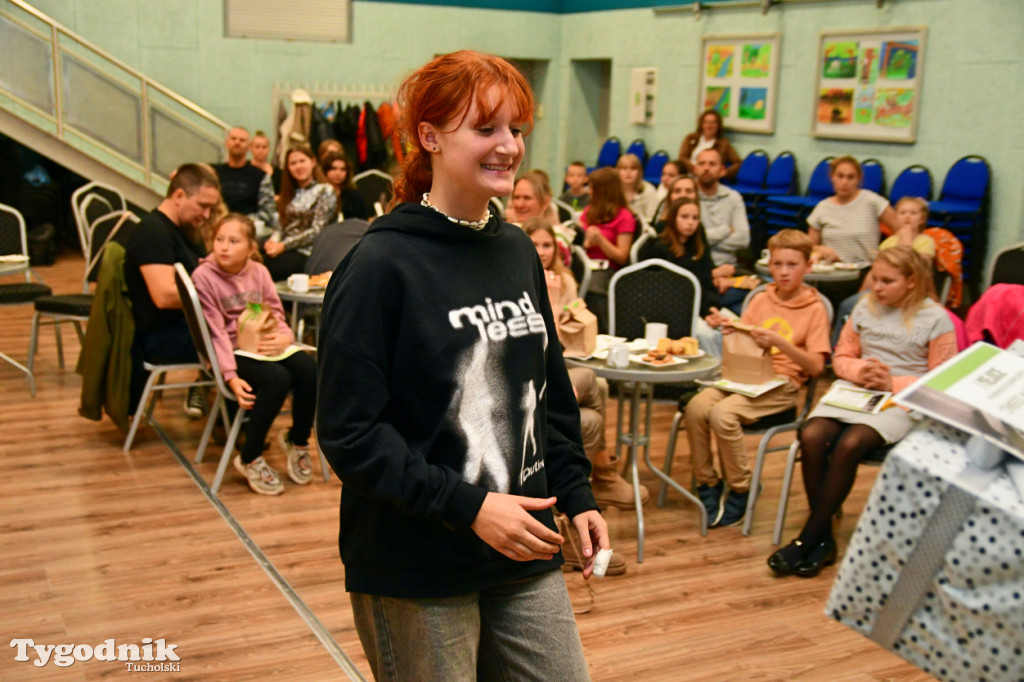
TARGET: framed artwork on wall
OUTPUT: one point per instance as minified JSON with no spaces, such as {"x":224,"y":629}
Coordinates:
{"x":739,"y":79}
{"x":868,"y":84}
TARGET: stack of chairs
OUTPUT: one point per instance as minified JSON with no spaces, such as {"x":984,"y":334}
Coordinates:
{"x":784,"y":212}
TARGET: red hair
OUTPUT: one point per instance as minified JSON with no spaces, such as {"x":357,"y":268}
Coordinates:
{"x":441,"y":93}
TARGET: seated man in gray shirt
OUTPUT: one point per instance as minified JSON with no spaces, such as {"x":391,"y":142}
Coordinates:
{"x":724,"y":217}
{"x":721,"y":210}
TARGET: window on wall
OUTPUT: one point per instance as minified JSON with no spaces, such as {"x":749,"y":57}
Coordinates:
{"x":324,"y":20}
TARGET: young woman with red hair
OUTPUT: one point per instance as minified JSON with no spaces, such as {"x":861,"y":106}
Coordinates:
{"x":446,"y":409}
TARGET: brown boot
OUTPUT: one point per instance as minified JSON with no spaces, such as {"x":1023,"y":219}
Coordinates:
{"x":610,"y":489}
{"x":572,"y":553}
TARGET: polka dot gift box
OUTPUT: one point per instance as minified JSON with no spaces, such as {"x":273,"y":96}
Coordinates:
{"x":935,"y":569}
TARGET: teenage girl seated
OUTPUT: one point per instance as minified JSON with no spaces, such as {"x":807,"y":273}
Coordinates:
{"x":895,"y":335}
{"x":683,"y":243}
{"x":227,"y":282}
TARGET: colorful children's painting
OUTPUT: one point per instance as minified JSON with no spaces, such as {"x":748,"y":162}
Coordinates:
{"x":840,"y":60}
{"x":894,"y":107}
{"x":864,"y":105}
{"x":753,"y":103}
{"x":718,"y":99}
{"x":757,"y":60}
{"x":720,"y":61}
{"x":868,"y":65}
{"x":835,"y":105}
{"x":899,"y":60}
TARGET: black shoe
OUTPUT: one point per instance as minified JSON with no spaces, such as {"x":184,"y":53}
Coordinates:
{"x":734,"y":508}
{"x":711,"y":497}
{"x":786,"y":560}
{"x":821,"y":555}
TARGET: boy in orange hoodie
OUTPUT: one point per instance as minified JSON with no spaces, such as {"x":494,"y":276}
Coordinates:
{"x":790,"y":319}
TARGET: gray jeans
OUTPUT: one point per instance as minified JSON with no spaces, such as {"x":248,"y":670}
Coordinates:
{"x":524,"y":630}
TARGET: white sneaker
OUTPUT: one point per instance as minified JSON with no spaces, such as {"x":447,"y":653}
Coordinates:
{"x":300,"y":466}
{"x":261,"y":476}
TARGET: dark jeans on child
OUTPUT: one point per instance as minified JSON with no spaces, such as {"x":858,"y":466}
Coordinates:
{"x":271,"y":382}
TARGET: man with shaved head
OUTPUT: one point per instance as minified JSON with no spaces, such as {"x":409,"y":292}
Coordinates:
{"x":245,"y":188}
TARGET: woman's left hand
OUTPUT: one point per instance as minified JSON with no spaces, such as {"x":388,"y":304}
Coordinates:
{"x":593,"y":531}
{"x":273,"y":344}
{"x":272,"y":248}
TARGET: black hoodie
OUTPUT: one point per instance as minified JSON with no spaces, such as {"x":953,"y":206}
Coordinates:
{"x":441,"y":378}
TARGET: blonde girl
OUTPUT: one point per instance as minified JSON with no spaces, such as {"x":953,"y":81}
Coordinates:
{"x":641,"y":195}
{"x":895,"y":335}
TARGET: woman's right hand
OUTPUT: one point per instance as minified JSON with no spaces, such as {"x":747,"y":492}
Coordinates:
{"x":273,"y":248}
{"x":243,"y":392}
{"x":504,"y":524}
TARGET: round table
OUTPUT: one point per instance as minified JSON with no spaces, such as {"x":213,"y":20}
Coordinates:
{"x":812,"y":277}
{"x":638,"y":380}
{"x":315,"y":296}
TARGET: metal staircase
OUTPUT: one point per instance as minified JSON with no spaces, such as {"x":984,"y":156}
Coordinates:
{"x":76,"y":104}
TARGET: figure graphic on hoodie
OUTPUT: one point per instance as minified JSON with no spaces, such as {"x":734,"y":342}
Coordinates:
{"x":445,"y":411}
{"x":232,"y":284}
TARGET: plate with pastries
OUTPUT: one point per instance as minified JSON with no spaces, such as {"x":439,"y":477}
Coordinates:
{"x":320,"y":281}
{"x":685,"y":347}
{"x":656,"y":358}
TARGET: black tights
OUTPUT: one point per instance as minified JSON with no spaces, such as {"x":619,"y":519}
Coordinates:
{"x":272,"y":382}
{"x":831,"y":451}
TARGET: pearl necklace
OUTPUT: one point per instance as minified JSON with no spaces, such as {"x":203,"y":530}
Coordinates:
{"x":473,"y":225}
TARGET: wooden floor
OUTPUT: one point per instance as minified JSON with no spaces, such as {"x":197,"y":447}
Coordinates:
{"x":96,"y":544}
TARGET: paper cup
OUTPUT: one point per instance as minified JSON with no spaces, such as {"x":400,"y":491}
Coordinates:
{"x":299,"y":283}
{"x":654,"y":331}
{"x":618,"y":356}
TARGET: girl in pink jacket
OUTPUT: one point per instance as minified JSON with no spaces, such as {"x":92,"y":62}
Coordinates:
{"x":231,"y":282}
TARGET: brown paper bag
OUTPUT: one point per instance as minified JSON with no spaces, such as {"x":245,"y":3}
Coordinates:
{"x":744,"y":361}
{"x":577,"y":329}
{"x":254,"y":323}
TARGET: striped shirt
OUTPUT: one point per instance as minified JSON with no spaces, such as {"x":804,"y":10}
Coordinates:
{"x":850,"y":229}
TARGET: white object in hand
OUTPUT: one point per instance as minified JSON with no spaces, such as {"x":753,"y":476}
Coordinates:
{"x":604,"y":556}
{"x":299,"y":283}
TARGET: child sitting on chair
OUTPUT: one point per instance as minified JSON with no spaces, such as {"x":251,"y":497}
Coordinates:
{"x":790,"y":319}
{"x":894,"y":336}
{"x":228,"y":282}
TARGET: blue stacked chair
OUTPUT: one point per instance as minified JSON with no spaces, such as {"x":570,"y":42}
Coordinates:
{"x":873,"y":176}
{"x":913,"y":181}
{"x":782,"y":212}
{"x":638,"y":149}
{"x":962,"y":208}
{"x":780,"y":180}
{"x":753,"y":170}
{"x":652,"y":171}
{"x":609,"y":155}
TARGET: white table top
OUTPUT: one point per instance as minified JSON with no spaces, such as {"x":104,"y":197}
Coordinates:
{"x":314,"y":295}
{"x":691,"y":370}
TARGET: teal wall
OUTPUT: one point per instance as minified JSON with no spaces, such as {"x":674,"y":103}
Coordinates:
{"x":971,"y":96}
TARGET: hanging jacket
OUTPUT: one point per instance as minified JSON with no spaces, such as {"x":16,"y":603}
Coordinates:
{"x":105,"y":362}
{"x":320,"y":129}
{"x":361,"y":138}
{"x":949,"y":259}
{"x":998,"y":316}
{"x":346,"y":128}
{"x":376,"y":151}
